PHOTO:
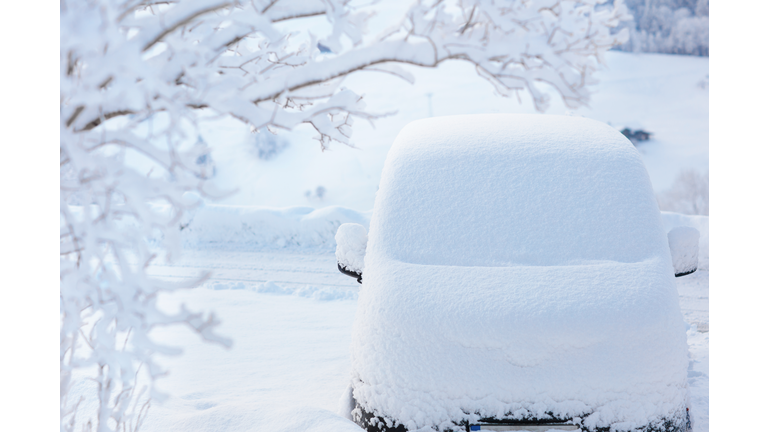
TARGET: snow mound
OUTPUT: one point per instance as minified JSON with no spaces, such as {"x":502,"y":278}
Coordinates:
{"x":351,"y":240}
{"x":292,"y":227}
{"x":684,"y":248}
{"x":517,"y":266}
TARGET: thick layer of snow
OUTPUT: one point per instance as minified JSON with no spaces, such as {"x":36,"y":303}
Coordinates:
{"x":514,"y":189}
{"x":522,"y":338}
{"x":684,"y":248}
{"x":518,"y":264}
{"x":351,"y":240}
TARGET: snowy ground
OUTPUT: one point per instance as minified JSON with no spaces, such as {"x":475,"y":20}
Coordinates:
{"x":290,"y":359}
{"x":290,"y":314}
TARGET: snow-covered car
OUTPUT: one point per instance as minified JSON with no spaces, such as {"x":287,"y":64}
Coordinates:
{"x":516,"y":276}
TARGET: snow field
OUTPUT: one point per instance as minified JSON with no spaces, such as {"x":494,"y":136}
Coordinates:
{"x":285,"y":371}
{"x":307,"y":273}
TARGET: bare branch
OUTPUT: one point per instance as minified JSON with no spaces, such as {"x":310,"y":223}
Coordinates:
{"x":74,"y":115}
{"x":106,"y":116}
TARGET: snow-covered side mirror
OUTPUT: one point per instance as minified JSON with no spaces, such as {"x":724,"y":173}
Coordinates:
{"x":351,"y":240}
{"x":684,"y":247}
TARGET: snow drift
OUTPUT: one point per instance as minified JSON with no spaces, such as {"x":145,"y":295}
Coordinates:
{"x":517,"y":266}
{"x":302,"y":227}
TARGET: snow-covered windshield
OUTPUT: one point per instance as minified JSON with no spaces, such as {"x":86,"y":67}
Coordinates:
{"x":498,"y":190}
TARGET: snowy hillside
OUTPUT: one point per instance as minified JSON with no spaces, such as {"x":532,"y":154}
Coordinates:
{"x":666,"y":95}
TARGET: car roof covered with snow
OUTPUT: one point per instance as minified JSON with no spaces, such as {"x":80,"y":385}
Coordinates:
{"x":501,"y":190}
{"x":517,"y":266}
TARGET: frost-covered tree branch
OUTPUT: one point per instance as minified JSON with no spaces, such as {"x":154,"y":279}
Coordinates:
{"x":136,"y":76}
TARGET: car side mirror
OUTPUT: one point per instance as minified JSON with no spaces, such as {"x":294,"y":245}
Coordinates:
{"x":684,"y":247}
{"x":351,"y":241}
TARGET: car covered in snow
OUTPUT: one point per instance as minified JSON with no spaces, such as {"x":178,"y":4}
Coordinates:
{"x":516,"y":276}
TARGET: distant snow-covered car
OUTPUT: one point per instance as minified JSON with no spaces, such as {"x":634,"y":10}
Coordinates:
{"x":516,"y":276}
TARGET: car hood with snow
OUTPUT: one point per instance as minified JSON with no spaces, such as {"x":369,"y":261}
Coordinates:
{"x":517,"y":268}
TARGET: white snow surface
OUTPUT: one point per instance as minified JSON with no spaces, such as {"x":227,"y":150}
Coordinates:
{"x":518,"y":264}
{"x":514,"y":189}
{"x":684,"y":248}
{"x":351,"y":240}
{"x":292,"y":227}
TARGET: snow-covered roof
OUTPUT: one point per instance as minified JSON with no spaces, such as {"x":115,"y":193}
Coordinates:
{"x":517,"y":264}
{"x":504,"y":189}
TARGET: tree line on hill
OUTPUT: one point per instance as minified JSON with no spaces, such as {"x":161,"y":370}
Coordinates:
{"x":668,"y":26}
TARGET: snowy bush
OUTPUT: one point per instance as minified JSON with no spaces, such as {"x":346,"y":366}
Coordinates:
{"x":268,"y":145}
{"x":136,"y":77}
{"x":669,"y":26}
{"x":689,"y":194}
{"x":317,"y":194}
